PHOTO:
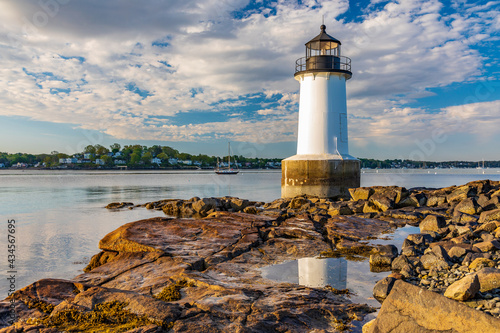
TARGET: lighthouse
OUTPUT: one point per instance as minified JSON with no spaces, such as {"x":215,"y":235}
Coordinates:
{"x":322,"y":166}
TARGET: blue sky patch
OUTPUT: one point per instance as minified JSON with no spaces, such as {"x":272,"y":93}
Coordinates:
{"x":136,"y":90}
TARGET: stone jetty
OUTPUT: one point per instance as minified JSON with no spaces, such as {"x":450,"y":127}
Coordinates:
{"x":197,"y":269}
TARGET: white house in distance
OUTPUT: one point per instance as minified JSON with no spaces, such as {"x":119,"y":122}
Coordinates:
{"x":69,"y":160}
{"x":322,"y":166}
{"x":156,"y":160}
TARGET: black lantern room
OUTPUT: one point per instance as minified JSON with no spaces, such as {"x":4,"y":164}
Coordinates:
{"x":323,"y":55}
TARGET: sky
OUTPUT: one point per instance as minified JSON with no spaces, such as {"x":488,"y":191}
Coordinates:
{"x":195,"y":74}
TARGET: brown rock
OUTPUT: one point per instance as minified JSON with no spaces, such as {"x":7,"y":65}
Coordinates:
{"x":418,"y":239}
{"x":397,"y":276}
{"x":203,"y":206}
{"x":147,"y":329}
{"x":480,"y":263}
{"x":353,"y":227}
{"x":409,"y":251}
{"x":461,"y":230}
{"x":470,"y":257}
{"x":435,"y":201}
{"x":491,"y":215}
{"x":383,"y":200}
{"x":53,"y":291}
{"x":250,"y":210}
{"x":361,"y":193}
{"x":466,"y":218}
{"x":482,"y":200}
{"x":100,"y":259}
{"x":383,"y":288}
{"x":137,"y":303}
{"x":492,"y":204}
{"x":461,"y":193}
{"x":467,"y":206}
{"x":411,"y":309}
{"x":488,"y":246}
{"x":432,"y":223}
{"x":463,"y":289}
{"x":238,"y":204}
{"x":386,"y":250}
{"x":489,"y":278}
{"x":339,"y":208}
{"x":430,"y":260}
{"x":488,"y":226}
{"x":457,"y":252}
{"x":172,"y":208}
{"x":379,"y":260}
{"x":298,"y":202}
{"x":370,"y":207}
{"x":401,"y":263}
{"x":441,"y":253}
{"x":118,"y":205}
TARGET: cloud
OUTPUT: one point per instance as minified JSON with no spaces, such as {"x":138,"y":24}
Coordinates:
{"x":404,"y":126}
{"x":211,"y":56}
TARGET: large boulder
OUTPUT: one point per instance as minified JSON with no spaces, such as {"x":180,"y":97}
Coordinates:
{"x":383,"y":288}
{"x":386,"y":198}
{"x":414,"y":200}
{"x":361,"y":193}
{"x":480,"y":263}
{"x":410,"y":309}
{"x":204,"y":206}
{"x":489,"y":278}
{"x":463,"y":289}
{"x":430,"y":260}
{"x":432,"y":223}
{"x":488,"y":246}
{"x":383,"y":255}
{"x":461,"y":193}
{"x":436,"y":200}
{"x":491,"y":215}
{"x":467,"y":206}
{"x":492,"y":204}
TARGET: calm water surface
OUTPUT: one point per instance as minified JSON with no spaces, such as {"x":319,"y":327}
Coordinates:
{"x":60,"y":215}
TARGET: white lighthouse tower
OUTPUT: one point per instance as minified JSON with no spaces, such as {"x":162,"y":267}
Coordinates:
{"x":322,"y":166}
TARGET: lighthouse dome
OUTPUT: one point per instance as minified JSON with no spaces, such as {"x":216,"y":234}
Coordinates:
{"x":323,"y":44}
{"x":323,"y":55}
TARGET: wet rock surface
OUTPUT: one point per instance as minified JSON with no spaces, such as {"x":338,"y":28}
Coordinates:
{"x":410,"y":309}
{"x":198,"y":268}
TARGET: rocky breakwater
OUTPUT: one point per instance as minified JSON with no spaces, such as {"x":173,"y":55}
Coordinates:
{"x":198,"y":270}
{"x":451,"y":268}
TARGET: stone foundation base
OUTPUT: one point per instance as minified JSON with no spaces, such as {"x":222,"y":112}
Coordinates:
{"x":324,"y":178}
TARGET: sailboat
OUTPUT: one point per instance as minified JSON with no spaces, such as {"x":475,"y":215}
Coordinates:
{"x":478,"y":167}
{"x":227,"y":170}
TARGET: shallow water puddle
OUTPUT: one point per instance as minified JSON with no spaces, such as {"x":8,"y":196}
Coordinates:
{"x":338,"y":272}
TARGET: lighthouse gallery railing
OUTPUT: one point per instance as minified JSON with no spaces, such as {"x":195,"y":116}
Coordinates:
{"x":323,"y":62}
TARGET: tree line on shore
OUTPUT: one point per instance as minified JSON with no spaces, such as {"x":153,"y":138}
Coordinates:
{"x":156,"y":156}
{"x":131,"y":156}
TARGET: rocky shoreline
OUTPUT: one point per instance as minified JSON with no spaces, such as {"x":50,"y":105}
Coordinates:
{"x":199,"y":269}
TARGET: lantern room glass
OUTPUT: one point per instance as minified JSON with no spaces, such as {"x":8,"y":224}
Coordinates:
{"x":320,"y":48}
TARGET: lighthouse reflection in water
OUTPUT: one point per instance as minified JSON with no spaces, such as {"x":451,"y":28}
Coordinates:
{"x":310,"y":272}
{"x":322,"y":272}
